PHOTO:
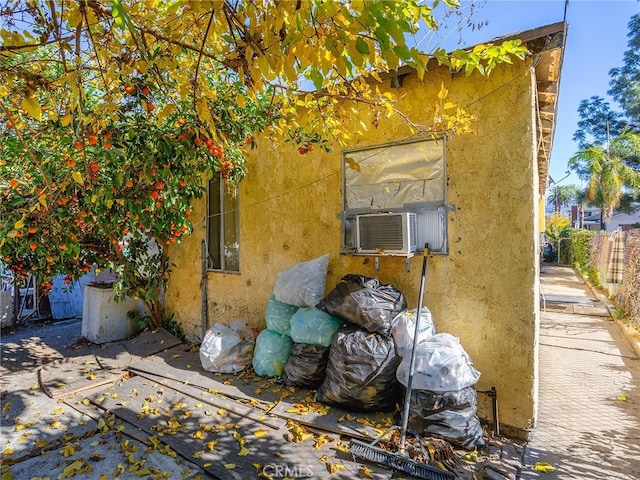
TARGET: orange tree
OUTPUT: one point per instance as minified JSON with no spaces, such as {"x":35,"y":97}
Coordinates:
{"x":114,"y":114}
{"x":114,"y":196}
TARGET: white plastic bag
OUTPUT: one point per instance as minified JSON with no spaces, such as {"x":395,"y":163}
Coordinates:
{"x":442,"y":365}
{"x":303,"y":284}
{"x":228,"y":349}
{"x":404,"y":327}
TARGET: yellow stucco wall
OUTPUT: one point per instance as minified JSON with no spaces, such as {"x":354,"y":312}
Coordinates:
{"x":485,"y":291}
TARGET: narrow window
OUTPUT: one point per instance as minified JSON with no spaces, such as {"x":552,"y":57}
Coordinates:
{"x":223,"y":227}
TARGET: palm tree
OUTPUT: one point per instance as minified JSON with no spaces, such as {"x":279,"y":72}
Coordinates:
{"x":607,"y":174}
{"x":563,"y":196}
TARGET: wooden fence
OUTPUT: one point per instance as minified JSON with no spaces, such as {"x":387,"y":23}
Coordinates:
{"x":616,"y":255}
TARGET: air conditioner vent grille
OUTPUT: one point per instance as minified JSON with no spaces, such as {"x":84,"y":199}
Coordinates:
{"x":391,"y":233}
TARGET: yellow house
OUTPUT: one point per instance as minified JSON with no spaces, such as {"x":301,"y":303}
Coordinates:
{"x":481,"y":209}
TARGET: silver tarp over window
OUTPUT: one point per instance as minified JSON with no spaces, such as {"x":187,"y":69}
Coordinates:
{"x":390,"y":177}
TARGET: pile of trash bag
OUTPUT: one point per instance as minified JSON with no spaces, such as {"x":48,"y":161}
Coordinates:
{"x":361,"y":373}
{"x":365,"y":302}
{"x":297,"y":290}
{"x":228,"y":349}
{"x":443,"y":401}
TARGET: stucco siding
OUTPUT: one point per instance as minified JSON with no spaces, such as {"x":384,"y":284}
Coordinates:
{"x":484,"y":291}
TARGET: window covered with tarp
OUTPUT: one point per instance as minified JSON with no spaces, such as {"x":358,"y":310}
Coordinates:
{"x":394,"y":178}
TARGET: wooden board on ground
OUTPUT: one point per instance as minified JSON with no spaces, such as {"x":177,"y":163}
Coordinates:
{"x":364,"y":426}
{"x":233,"y":406}
{"x":63,"y":378}
{"x":113,"y":355}
{"x":224,"y":445}
{"x":150,"y":342}
{"x":185,"y":366}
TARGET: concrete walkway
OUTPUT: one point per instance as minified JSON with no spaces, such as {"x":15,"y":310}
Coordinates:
{"x":589,"y":410}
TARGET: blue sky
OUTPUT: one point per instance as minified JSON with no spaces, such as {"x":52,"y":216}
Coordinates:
{"x":596,"y":41}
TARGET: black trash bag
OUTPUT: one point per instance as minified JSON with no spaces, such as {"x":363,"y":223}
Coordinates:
{"x":361,"y":372}
{"x":307,"y":366}
{"x":365,"y":302}
{"x":451,"y":415}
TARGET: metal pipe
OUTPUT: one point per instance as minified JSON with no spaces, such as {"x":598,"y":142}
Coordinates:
{"x":203,"y":290}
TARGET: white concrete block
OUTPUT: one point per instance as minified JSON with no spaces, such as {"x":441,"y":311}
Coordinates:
{"x":105,"y":320}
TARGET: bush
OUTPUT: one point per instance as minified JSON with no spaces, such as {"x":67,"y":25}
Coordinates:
{"x":579,"y":253}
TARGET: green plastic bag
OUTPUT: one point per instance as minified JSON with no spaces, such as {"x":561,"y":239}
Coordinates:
{"x":271,"y":353}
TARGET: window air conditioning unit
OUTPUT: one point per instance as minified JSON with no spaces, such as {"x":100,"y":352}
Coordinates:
{"x":392,"y":233}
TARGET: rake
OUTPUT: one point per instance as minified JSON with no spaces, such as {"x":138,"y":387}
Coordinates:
{"x":399,"y":461}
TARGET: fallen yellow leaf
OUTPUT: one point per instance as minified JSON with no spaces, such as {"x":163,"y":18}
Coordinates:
{"x":334,"y":467}
{"x":365,"y":472}
{"x":68,"y":450}
{"x":544,"y":467}
{"x":321,"y":440}
{"x":260,"y":433}
{"x":230,"y":466}
{"x":244,"y":451}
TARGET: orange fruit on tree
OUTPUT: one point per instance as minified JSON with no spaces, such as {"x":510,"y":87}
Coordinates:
{"x":159,"y":185}
{"x":93,"y":140}
{"x":302,"y":150}
{"x":78,"y":144}
{"x":33,"y":229}
{"x":129,"y":184}
{"x":146,"y":90}
{"x":129,"y":89}
{"x":33,"y":246}
{"x":13,"y":182}
{"x":71,"y":163}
